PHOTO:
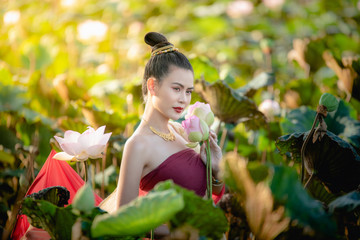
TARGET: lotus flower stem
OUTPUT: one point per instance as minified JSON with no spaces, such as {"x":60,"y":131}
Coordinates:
{"x":208,"y":170}
{"x":303,"y":147}
{"x":223,"y":137}
{"x":85,"y":168}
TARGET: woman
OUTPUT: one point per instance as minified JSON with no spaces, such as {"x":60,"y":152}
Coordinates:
{"x":156,"y":151}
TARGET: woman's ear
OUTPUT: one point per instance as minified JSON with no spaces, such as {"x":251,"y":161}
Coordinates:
{"x":151,"y":85}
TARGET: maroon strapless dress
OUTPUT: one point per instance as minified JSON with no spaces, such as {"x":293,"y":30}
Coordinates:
{"x":185,"y":168}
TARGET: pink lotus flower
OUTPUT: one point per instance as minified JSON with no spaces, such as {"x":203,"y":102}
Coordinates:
{"x":196,"y":129}
{"x":202,"y":111}
{"x":80,"y":147}
{"x":196,"y":125}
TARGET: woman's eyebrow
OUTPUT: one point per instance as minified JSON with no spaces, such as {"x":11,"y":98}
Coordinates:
{"x":177,"y":83}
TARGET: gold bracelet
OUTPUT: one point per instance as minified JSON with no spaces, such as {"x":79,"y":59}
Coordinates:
{"x":216,"y":182}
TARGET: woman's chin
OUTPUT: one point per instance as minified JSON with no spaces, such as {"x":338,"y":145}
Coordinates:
{"x":176,"y":117}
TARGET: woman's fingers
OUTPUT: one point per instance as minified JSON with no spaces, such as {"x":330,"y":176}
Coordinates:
{"x":212,"y":133}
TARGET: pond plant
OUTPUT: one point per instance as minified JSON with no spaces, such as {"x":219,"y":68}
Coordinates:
{"x":272,"y":73}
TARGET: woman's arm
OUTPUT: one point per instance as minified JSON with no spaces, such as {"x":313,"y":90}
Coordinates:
{"x":132,"y":165}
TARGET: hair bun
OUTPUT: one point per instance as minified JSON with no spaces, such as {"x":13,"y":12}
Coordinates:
{"x":156,"y":40}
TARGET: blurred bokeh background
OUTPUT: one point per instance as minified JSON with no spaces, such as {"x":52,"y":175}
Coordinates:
{"x":69,"y":64}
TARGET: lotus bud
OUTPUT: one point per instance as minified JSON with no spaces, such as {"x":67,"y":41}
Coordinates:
{"x":329,"y":101}
{"x":202,"y":111}
{"x":196,"y":129}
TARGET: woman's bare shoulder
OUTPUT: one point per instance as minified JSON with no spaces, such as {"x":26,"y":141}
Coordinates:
{"x":138,"y":146}
{"x":178,"y":128}
{"x":136,"y":142}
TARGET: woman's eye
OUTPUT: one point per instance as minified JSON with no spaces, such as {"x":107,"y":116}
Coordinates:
{"x":189,"y":92}
{"x":177,"y":89}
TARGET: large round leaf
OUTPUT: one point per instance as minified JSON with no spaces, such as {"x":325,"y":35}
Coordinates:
{"x":288,"y":191}
{"x":347,"y":203}
{"x":228,"y":105}
{"x":340,"y":122}
{"x":139,"y":216}
{"x":198,"y":213}
{"x":11,"y":98}
{"x":57,"y":221}
{"x":57,"y":195}
{"x":263,"y":79}
{"x":334,"y":161}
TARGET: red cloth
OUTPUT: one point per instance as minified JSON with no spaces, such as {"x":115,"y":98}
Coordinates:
{"x":185,"y":168}
{"x":53,"y":173}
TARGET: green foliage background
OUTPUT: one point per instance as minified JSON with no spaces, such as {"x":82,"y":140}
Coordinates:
{"x":52,"y":81}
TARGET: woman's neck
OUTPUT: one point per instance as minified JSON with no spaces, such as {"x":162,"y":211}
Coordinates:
{"x":154,"y":118}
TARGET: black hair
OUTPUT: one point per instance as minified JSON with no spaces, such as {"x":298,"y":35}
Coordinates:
{"x":159,"y":65}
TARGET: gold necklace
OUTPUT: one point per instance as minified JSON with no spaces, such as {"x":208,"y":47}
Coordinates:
{"x":166,"y":136}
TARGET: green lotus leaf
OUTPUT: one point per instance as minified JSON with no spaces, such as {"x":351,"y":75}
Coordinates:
{"x":346,"y":203}
{"x":228,"y":105}
{"x":139,"y":216}
{"x":288,"y":191}
{"x":318,"y":191}
{"x":263,"y":79}
{"x":204,"y":69}
{"x":291,"y":143}
{"x":334,"y":161}
{"x":199,"y":213}
{"x":56,"y":195}
{"x":339,"y":122}
{"x":355,"y":93}
{"x":57,"y":221}
{"x":84,"y":200}
{"x":12,"y":98}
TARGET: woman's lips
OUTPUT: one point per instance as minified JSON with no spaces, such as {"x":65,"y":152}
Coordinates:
{"x":178,"y":109}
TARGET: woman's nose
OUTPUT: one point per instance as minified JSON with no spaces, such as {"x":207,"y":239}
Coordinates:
{"x":182,"y":97}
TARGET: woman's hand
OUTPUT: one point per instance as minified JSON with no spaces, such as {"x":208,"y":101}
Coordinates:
{"x":215,"y":150}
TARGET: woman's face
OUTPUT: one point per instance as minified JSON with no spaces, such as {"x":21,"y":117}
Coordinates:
{"x":173,"y":94}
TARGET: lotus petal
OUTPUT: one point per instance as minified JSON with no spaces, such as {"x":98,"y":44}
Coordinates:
{"x":86,"y":140}
{"x":71,"y":136}
{"x":63,"y":156}
{"x":104,"y":139}
{"x":100,"y":131}
{"x":72,"y":148}
{"x":95,"y":151}
{"x":60,"y":140}
{"x":83,"y":156}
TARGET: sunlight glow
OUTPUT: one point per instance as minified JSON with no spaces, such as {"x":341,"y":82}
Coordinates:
{"x":67,"y":3}
{"x":92,"y":31}
{"x":12,"y":17}
{"x":134,"y":52}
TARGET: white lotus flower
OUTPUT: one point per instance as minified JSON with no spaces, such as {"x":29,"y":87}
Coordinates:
{"x":80,"y":147}
{"x":270,"y":108}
